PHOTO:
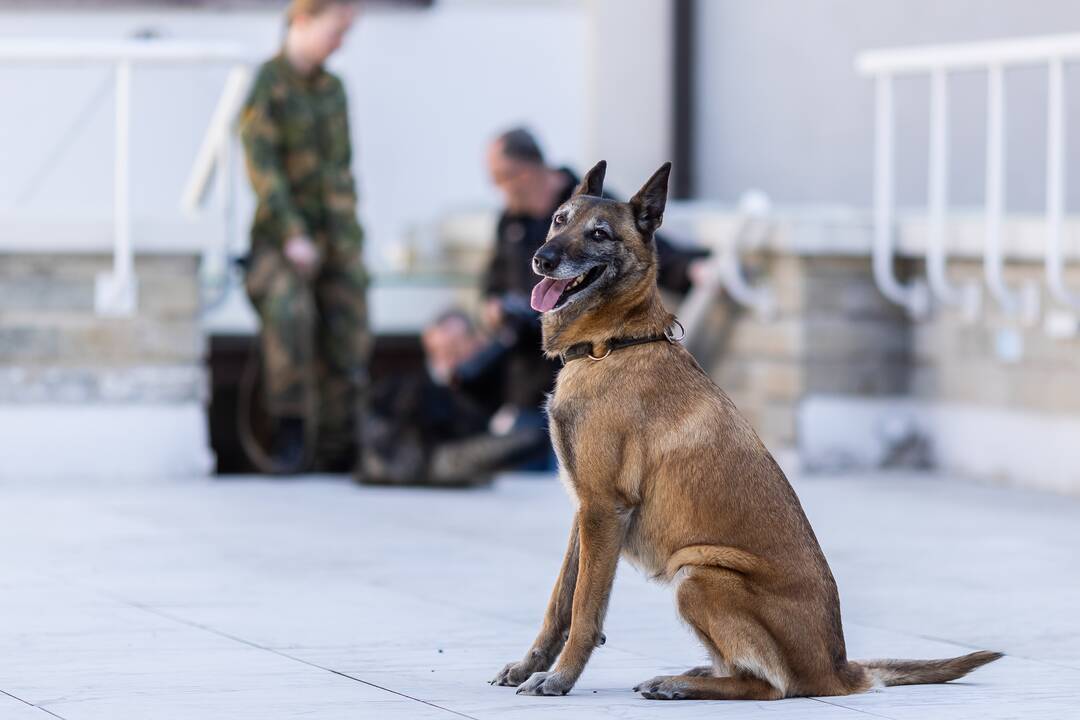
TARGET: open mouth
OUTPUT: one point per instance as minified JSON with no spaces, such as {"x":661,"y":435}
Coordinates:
{"x":551,"y":293}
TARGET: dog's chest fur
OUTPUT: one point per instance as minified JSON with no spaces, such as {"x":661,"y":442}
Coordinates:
{"x":595,"y":459}
{"x":563,"y":420}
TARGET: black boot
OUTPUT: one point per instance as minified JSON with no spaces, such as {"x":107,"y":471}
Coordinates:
{"x":288,"y":453}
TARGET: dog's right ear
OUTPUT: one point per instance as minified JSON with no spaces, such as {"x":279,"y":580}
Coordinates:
{"x":648,"y":205}
{"x":593,"y":182}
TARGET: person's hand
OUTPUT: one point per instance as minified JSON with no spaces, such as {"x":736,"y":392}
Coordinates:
{"x":492,"y":314}
{"x":699,"y":271}
{"x":304,"y":255}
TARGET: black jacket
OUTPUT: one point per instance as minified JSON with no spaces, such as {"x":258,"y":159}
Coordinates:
{"x":518,"y":237}
{"x":509,"y":277}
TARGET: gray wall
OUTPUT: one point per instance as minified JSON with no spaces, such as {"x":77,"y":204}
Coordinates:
{"x":781,"y":108}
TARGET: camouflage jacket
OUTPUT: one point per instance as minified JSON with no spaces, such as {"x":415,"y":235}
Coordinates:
{"x":295,"y":131}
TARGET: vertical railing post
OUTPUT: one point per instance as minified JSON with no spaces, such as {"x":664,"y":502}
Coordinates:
{"x":967,"y":296}
{"x":995,"y":181}
{"x":913,"y":297}
{"x":115,"y":293}
{"x":1024,"y":303}
{"x":937,"y":183}
{"x":1055,"y":186}
{"x":122,"y":261}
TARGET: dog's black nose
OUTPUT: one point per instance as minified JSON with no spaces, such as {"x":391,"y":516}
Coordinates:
{"x":546,"y":260}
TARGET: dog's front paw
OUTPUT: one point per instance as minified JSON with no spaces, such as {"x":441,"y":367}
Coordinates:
{"x":546,"y":683}
{"x":662,"y":687}
{"x":513,"y":674}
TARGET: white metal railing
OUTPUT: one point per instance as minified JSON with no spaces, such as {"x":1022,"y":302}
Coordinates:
{"x":754,"y":226}
{"x":724,"y":270}
{"x":215,"y":158}
{"x":938,"y":61}
{"x":913,"y":297}
{"x":116,"y":292}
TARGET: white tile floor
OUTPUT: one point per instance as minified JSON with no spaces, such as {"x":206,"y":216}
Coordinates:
{"x":319,"y":599}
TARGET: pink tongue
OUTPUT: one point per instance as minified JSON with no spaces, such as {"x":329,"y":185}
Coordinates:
{"x":547,"y":292}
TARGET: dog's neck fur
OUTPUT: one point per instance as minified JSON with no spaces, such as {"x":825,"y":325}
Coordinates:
{"x":637,"y":312}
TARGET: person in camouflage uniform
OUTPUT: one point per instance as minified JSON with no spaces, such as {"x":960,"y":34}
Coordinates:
{"x":305,"y":276}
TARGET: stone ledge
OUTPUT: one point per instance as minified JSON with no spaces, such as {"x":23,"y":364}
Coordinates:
{"x":849,"y":232}
{"x":140,"y":384}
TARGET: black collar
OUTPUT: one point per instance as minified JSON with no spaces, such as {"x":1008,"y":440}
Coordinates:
{"x":585,"y":349}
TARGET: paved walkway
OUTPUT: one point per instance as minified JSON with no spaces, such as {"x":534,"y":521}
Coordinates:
{"x":259,"y":599}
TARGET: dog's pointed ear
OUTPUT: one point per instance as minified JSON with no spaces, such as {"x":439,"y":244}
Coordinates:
{"x":649,"y":203}
{"x":593,"y":182}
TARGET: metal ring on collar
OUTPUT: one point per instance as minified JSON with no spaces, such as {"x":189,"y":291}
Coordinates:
{"x":670,"y":336}
{"x":593,"y":357}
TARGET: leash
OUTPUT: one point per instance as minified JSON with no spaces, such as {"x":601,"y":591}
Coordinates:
{"x":585,"y":349}
{"x":258,"y":456}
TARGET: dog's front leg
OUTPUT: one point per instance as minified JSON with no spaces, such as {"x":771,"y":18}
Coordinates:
{"x":552,"y":635}
{"x":600,"y":534}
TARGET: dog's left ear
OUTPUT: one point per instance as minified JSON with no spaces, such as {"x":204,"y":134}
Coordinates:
{"x":649,"y":203}
{"x":593,"y":182}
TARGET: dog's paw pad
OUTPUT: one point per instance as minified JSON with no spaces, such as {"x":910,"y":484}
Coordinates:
{"x":512,"y":675}
{"x":663,"y":687}
{"x":544,"y":683}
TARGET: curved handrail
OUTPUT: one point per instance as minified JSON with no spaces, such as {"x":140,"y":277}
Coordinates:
{"x":218,"y":133}
{"x":1025,"y":300}
{"x":967,"y":296}
{"x":753,"y":227}
{"x":1055,"y":186}
{"x":914,"y":297}
{"x":724,"y":271}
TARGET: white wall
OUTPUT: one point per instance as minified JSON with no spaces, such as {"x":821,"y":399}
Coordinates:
{"x":427,"y":89}
{"x":781,"y":108}
{"x":630,"y":90}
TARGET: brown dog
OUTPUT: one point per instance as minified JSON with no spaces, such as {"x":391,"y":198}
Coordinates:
{"x":666,"y":472}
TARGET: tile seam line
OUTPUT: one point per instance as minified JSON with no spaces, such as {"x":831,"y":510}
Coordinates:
{"x":845,"y":707}
{"x":30,"y":704}
{"x":249,"y":643}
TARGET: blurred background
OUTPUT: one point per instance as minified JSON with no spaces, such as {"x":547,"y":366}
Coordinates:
{"x":895,"y":268}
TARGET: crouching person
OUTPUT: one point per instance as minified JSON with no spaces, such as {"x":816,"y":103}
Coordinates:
{"x":450,"y":426}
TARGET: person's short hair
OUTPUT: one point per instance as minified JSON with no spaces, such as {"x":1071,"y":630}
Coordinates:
{"x":309,"y":7}
{"x":520,"y":144}
{"x":452,"y":314}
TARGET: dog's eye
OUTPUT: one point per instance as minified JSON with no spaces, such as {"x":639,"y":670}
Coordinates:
{"x":559,"y":219}
{"x":600,"y":234}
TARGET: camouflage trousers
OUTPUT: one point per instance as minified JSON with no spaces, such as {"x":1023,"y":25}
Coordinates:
{"x":314,"y":339}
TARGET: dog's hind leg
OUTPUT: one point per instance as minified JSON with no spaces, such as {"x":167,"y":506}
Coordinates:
{"x":701,"y":671}
{"x":690,"y":687}
{"x":709,"y":599}
{"x":717,"y":669}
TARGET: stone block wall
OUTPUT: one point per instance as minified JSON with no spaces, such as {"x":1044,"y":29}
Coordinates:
{"x":850,"y":380}
{"x":57,"y":354}
{"x":832,"y":333}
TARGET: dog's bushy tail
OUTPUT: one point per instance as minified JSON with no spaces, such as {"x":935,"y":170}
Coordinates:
{"x":924,"y":672}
